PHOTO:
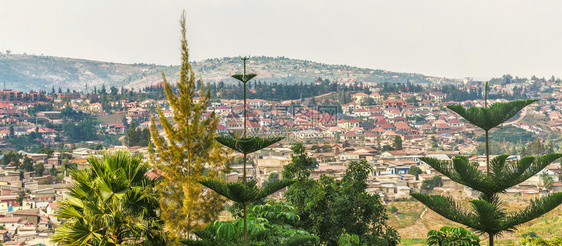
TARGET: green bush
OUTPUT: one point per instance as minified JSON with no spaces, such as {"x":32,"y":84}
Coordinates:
{"x":452,"y":236}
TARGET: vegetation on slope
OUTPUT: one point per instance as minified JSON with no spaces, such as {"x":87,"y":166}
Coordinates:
{"x":33,"y":72}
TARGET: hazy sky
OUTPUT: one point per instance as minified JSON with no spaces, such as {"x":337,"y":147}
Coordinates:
{"x":441,"y":38}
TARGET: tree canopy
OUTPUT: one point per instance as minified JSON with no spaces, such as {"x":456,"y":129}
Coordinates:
{"x":330,"y":208}
{"x":111,"y":203}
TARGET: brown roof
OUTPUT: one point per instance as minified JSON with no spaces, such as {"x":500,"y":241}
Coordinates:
{"x":10,"y":219}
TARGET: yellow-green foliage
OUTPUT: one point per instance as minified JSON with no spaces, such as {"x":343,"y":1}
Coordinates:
{"x":187,"y":153}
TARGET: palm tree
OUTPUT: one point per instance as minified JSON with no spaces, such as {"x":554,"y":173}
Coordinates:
{"x":111,"y":203}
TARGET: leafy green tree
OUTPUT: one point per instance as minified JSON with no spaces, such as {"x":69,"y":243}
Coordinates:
{"x":312,"y":102}
{"x":368,"y":101}
{"x":11,"y":157}
{"x":21,"y":196}
{"x":414,"y":170}
{"x":46,"y":150}
{"x":387,"y":148}
{"x":434,"y":142}
{"x":111,"y":203}
{"x":536,"y":147}
{"x":27,"y":164}
{"x":494,"y":148}
{"x":330,"y":208}
{"x":53,"y":171}
{"x":523,"y":152}
{"x":547,"y":180}
{"x":187,"y":154}
{"x":125,"y":121}
{"x":83,"y":131}
{"x":272,"y":178}
{"x":137,"y":137}
{"x":452,"y":236}
{"x":325,"y":148}
{"x":273,"y":223}
{"x":40,"y":169}
{"x":397,"y":143}
{"x":488,"y":214}
{"x":300,"y":164}
{"x":429,"y":184}
{"x":349,"y":240}
{"x":65,"y":156}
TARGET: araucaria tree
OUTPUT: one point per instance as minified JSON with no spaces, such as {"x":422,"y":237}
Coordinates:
{"x":186,"y":153}
{"x":488,"y":214}
{"x":245,"y":192}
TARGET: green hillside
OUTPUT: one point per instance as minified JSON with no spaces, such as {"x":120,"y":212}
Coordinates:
{"x":31,"y":72}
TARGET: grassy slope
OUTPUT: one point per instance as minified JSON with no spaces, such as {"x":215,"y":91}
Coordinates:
{"x":413,"y":230}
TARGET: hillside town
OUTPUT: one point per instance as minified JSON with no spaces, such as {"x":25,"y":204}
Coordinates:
{"x":390,"y":130}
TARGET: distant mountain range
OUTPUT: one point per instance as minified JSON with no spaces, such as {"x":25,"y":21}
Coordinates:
{"x":31,"y":72}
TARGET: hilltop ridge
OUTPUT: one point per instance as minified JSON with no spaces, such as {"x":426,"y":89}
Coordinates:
{"x":32,"y":72}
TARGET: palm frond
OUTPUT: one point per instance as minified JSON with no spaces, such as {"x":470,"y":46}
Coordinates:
{"x":113,"y":197}
{"x":70,"y":208}
{"x":247,"y":145}
{"x":77,"y":233}
{"x":492,"y":116}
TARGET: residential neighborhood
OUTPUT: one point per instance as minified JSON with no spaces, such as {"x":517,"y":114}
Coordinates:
{"x":391,"y":131}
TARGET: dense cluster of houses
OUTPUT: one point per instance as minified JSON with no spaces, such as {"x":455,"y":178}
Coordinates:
{"x":333,"y":134}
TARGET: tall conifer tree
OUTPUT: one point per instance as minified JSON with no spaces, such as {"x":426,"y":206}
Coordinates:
{"x":245,"y":192}
{"x":186,"y":153}
{"x":488,"y":213}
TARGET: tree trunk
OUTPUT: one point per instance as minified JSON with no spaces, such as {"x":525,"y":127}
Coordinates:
{"x":244,"y":214}
{"x":487,"y":154}
{"x":245,"y":230}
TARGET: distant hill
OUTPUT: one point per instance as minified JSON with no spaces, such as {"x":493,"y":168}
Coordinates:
{"x":31,"y":72}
